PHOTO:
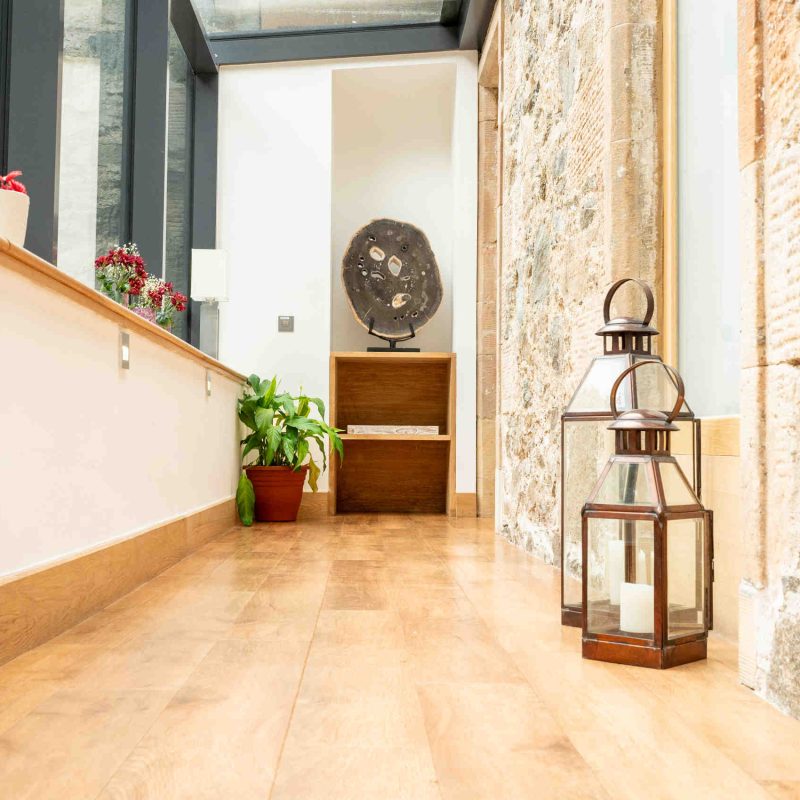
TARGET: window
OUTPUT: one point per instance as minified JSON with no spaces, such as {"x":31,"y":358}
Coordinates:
{"x":708,"y":211}
{"x":91,"y":145}
{"x":178,"y":227}
{"x":5,"y":49}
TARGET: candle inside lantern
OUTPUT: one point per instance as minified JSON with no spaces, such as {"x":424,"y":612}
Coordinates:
{"x":641,"y":567}
{"x":615,"y":569}
{"x":636,"y":608}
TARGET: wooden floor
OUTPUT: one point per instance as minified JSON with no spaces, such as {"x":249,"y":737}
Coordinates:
{"x":387,"y":658}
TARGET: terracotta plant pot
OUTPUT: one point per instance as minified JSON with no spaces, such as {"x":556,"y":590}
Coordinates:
{"x":279,"y":491}
{"x":14,"y":216}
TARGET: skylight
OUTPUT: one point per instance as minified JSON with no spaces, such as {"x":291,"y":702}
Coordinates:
{"x":244,"y":16}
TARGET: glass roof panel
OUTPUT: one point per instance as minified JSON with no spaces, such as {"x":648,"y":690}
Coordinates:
{"x":240,"y":16}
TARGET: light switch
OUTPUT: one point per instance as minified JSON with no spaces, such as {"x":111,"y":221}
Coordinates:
{"x":285,"y":324}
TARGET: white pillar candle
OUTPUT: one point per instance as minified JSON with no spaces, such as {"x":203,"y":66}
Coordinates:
{"x":615,"y":569}
{"x":636,"y":608}
{"x":641,"y":567}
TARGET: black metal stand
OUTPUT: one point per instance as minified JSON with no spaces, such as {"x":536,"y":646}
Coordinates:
{"x":392,"y":348}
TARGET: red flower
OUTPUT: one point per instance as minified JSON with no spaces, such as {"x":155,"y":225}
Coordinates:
{"x":179,"y":301}
{"x":9,"y":183}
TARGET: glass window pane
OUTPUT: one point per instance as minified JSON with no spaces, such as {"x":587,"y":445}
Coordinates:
{"x":275,"y":15}
{"x":620,"y":577}
{"x":686,"y":577}
{"x":587,"y":447}
{"x":177,"y":249}
{"x":676,"y":490}
{"x":627,"y":483}
{"x":92,"y":112}
{"x":708,"y":204}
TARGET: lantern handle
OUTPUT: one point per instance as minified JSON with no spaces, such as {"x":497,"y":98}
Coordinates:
{"x":672,"y":372}
{"x":648,"y":293}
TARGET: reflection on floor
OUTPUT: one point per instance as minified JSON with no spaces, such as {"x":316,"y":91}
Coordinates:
{"x":383,"y":657}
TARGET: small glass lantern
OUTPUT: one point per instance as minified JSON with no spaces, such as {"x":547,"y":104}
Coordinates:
{"x":647,"y":548}
{"x":585,"y":441}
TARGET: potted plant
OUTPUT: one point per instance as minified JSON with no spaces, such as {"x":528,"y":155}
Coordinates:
{"x":276,"y":454}
{"x":14,"y":205}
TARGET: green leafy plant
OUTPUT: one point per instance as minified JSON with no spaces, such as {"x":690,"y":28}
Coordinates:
{"x":282,"y":430}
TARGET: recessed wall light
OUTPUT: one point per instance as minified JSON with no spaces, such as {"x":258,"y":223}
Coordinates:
{"x":208,"y":383}
{"x":124,"y":350}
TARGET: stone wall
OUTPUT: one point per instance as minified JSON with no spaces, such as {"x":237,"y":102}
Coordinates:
{"x":581,"y":207}
{"x":487,"y":297}
{"x":769,"y":148}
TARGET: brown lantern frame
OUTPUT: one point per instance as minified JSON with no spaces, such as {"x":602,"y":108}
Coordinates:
{"x":632,"y":339}
{"x":643,"y":437}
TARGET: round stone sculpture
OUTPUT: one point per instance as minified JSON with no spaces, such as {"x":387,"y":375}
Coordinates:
{"x":391,"y":278}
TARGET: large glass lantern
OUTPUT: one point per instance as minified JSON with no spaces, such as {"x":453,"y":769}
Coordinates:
{"x":647,"y":548}
{"x":585,"y":441}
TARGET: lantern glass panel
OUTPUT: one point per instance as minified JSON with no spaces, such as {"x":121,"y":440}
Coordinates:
{"x":685,"y":577}
{"x":587,"y":446}
{"x":654,"y":387}
{"x":677,"y":491}
{"x":595,"y":388}
{"x":619,"y":577}
{"x":627,"y":483}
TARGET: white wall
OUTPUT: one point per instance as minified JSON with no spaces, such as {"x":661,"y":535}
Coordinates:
{"x":91,"y":453}
{"x":393,"y":157}
{"x":282,"y":192}
{"x":274,"y":220}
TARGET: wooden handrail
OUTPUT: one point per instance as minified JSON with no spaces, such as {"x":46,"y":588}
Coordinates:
{"x":37,"y":269}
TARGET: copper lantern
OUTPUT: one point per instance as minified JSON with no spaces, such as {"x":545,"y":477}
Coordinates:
{"x":647,"y":548}
{"x":585,"y":441}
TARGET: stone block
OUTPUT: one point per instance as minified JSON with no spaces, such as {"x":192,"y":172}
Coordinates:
{"x":487,"y":336}
{"x":751,"y":83}
{"x":487,"y":104}
{"x":487,"y":272}
{"x":486,"y":467}
{"x":631,"y":80}
{"x":754,"y":474}
{"x":751,"y":265}
{"x":624,"y":12}
{"x":633,"y":210}
{"x":487,"y":386}
{"x":782,"y":248}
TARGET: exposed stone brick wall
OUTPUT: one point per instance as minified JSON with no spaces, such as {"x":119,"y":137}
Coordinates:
{"x":769,"y":91}
{"x":581,"y":206}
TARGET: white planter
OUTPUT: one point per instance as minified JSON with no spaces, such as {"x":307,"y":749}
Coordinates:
{"x":14,"y":216}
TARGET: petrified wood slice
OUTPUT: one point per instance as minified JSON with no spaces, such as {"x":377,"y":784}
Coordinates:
{"x":391,"y":278}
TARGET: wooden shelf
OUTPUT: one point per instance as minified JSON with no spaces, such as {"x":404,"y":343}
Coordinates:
{"x":393,"y":473}
{"x":394,"y":437}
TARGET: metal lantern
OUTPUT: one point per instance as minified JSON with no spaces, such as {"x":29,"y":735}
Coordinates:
{"x":647,"y":548}
{"x":585,"y":441}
